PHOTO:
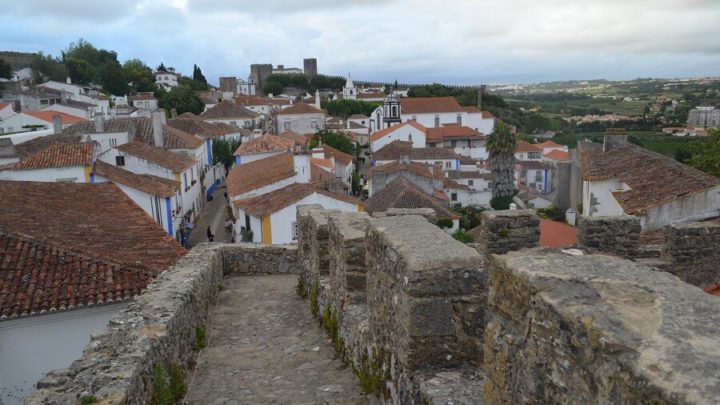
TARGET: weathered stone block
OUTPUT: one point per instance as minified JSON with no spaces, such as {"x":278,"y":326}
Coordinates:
{"x":503,"y":231}
{"x":616,"y":235}
{"x":692,"y":252}
{"x":430,"y":317}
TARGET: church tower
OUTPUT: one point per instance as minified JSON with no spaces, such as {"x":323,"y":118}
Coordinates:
{"x":391,"y":110}
{"x":349,"y":91}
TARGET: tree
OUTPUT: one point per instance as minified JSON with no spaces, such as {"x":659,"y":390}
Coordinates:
{"x":501,"y":147}
{"x":345,"y":108}
{"x":80,"y":71}
{"x":198,"y":76}
{"x":45,"y":68}
{"x":162,"y":68}
{"x":5,"y":69}
{"x":182,"y":99}
{"x":707,"y":154}
{"x":224,"y":151}
{"x":91,"y":65}
{"x":337,"y":140}
{"x":273,"y":88}
{"x":139,"y":75}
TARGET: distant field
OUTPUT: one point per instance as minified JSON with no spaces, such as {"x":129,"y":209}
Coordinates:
{"x":655,"y":141}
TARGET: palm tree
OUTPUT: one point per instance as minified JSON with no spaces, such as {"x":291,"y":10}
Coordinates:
{"x":501,"y":147}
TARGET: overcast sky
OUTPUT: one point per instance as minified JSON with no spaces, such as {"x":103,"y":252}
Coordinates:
{"x":417,"y":41}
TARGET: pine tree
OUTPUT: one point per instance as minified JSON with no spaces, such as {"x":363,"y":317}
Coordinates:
{"x":161,"y":68}
{"x":501,"y":146}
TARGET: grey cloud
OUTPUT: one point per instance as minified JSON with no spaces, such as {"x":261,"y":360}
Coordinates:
{"x":96,"y":10}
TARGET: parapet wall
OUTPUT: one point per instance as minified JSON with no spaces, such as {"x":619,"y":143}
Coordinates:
{"x":248,"y":258}
{"x":503,"y":231}
{"x":618,"y":236}
{"x":597,"y":329}
{"x":693,"y":252}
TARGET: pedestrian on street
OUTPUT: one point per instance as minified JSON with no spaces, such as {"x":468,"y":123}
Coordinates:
{"x":210,"y":235}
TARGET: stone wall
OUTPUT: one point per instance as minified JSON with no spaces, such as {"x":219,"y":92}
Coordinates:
{"x":617,"y":235}
{"x":248,"y":258}
{"x":693,"y":252}
{"x":159,"y":327}
{"x":597,"y":329}
{"x":503,"y":231}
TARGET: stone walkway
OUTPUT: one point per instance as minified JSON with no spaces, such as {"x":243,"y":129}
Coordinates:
{"x":213,"y":216}
{"x":265,"y":348}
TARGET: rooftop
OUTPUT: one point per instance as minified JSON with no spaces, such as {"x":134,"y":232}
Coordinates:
{"x":143,"y":132}
{"x":265,"y":144}
{"x":557,"y":154}
{"x":401,"y":193}
{"x":396,"y":149}
{"x":55,"y":156}
{"x":47,"y":116}
{"x":147,"y":183}
{"x":253,"y":175}
{"x":227,"y":110}
{"x":556,"y":234}
{"x":274,"y":201}
{"x":340,"y":156}
{"x":425,"y":105}
{"x":379,"y":134}
{"x":173,"y":161}
{"x":300,"y":108}
{"x":452,"y":131}
{"x":524,"y":146}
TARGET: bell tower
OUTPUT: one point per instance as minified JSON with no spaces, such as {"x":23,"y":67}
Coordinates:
{"x":391,"y":110}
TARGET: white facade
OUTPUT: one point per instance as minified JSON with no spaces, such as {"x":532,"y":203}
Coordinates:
{"x":598,"y":200}
{"x":469,"y":197}
{"x":85,"y":94}
{"x":32,"y":346}
{"x":69,"y":110}
{"x":73,"y":174}
{"x":240,"y":122}
{"x":146,"y":104}
{"x":300,"y":123}
{"x":349,"y":90}
{"x":6,"y":111}
{"x":400,"y":133}
{"x":166,"y":79}
{"x":251,"y":157}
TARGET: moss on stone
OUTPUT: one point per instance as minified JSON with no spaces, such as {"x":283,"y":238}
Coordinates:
{"x":314,"y":307}
{"x":300,"y":288}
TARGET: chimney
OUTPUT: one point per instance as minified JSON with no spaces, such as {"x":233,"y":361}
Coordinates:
{"x":611,"y":142}
{"x":317,"y":99}
{"x":68,"y":81}
{"x":99,"y":123}
{"x":157,"y":123}
{"x":57,"y":124}
{"x":405,"y":158}
{"x":131,"y":130}
{"x":173,"y":113}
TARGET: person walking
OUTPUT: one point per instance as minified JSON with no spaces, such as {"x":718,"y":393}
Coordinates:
{"x":210,"y":235}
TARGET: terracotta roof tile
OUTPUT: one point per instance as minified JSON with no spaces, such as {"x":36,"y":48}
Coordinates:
{"x":549,"y":144}
{"x":524,"y":146}
{"x":452,"y":132}
{"x":265,"y":144}
{"x":34,"y":146}
{"x":173,"y":161}
{"x":557,"y":154}
{"x":654,"y":179}
{"x":47,"y":116}
{"x":556,"y":234}
{"x":414,"y":167}
{"x":299,"y":139}
{"x":71,"y":238}
{"x":469,"y":175}
{"x":57,"y":155}
{"x":401,"y":193}
{"x":300,"y":108}
{"x":147,"y":183}
{"x":253,"y":175}
{"x":196,"y":126}
{"x":379,"y":134}
{"x":424,"y":105}
{"x":340,"y":156}
{"x":396,"y":149}
{"x":172,"y":139}
{"x":227,"y":110}
{"x":447,"y":183}
{"x":713,"y":289}
{"x":274,"y":201}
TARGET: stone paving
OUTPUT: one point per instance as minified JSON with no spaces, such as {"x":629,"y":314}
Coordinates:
{"x":264,"y":347}
{"x":214,"y":216}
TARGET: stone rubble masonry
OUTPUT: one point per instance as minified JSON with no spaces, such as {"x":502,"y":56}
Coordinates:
{"x":305,"y":261}
{"x":347,"y":258}
{"x":426,"y":295}
{"x":248,"y":258}
{"x":693,"y":252}
{"x":503,"y":231}
{"x":158,"y":327}
{"x":617,"y":235}
{"x":427,"y":213}
{"x":597,"y":329}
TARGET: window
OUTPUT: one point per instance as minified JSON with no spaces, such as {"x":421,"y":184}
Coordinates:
{"x":293,"y":229}
{"x":534,"y":155}
{"x":414,"y":117}
{"x":233,"y":123}
{"x":453,"y":144}
{"x":119,"y":160}
{"x":448,"y":165}
{"x":470,"y":183}
{"x":453,"y":196}
{"x":286,"y":125}
{"x":538,"y":176}
{"x":410,"y":137}
{"x":437,"y":120}
{"x":459,"y":119}
{"x":113,"y":143}
{"x":394,"y":111}
{"x":313,"y":124}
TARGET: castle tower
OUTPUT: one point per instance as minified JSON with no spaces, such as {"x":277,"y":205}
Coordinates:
{"x":349,"y":91}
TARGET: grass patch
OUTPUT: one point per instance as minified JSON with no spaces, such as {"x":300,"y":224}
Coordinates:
{"x":200,"y":337}
{"x":314,"y":308}
{"x":88,"y":399}
{"x":300,"y":288}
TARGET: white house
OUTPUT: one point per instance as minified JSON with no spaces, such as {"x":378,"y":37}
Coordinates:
{"x":620,"y":178}
{"x":271,"y":218}
{"x":63,"y":162}
{"x":168,"y":80}
{"x":89,"y":94}
{"x":6,"y":111}
{"x":74,"y":108}
{"x":473,"y":188}
{"x":464,"y":141}
{"x":536,"y":175}
{"x":301,"y":118}
{"x":263,"y":147}
{"x":34,"y":120}
{"x":525,"y":151}
{"x":404,"y":150}
{"x":158,"y":197}
{"x":349,"y":91}
{"x":409,"y":131}
{"x":144,"y":101}
{"x":230,"y":113}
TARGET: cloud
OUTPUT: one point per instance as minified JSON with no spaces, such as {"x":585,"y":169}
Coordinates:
{"x":459,"y":41}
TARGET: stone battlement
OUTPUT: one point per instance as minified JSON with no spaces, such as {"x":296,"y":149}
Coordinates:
{"x":424,"y":319}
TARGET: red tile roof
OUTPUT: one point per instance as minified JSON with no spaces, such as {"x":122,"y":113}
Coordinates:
{"x":401,"y":193}
{"x":228,"y":110}
{"x":327,"y":163}
{"x":452,"y":131}
{"x":265,"y":144}
{"x":172,"y":139}
{"x":524,"y":146}
{"x":396,"y":149}
{"x":299,"y":139}
{"x":263,"y":172}
{"x":557,"y":154}
{"x":147,"y":183}
{"x":194,"y":125}
{"x":274,"y":201}
{"x":713,"y":289}
{"x":57,"y":155}
{"x":420,"y":169}
{"x":654,"y":179}
{"x":3,"y":105}
{"x":48,"y":116}
{"x":300,"y":108}
{"x":556,"y":234}
{"x":425,"y":105}
{"x":549,"y":144}
{"x":452,"y":184}
{"x":340,"y":156}
{"x":379,"y":134}
{"x":173,"y":161}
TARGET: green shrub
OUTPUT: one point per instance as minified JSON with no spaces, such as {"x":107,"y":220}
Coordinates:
{"x":501,"y":203}
{"x":177,"y":382}
{"x":445,"y":223}
{"x":504,"y":233}
{"x":88,"y":399}
{"x":552,"y":212}
{"x":161,"y":390}
{"x":300,"y":288}
{"x":200,"y":337}
{"x":461,"y":236}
